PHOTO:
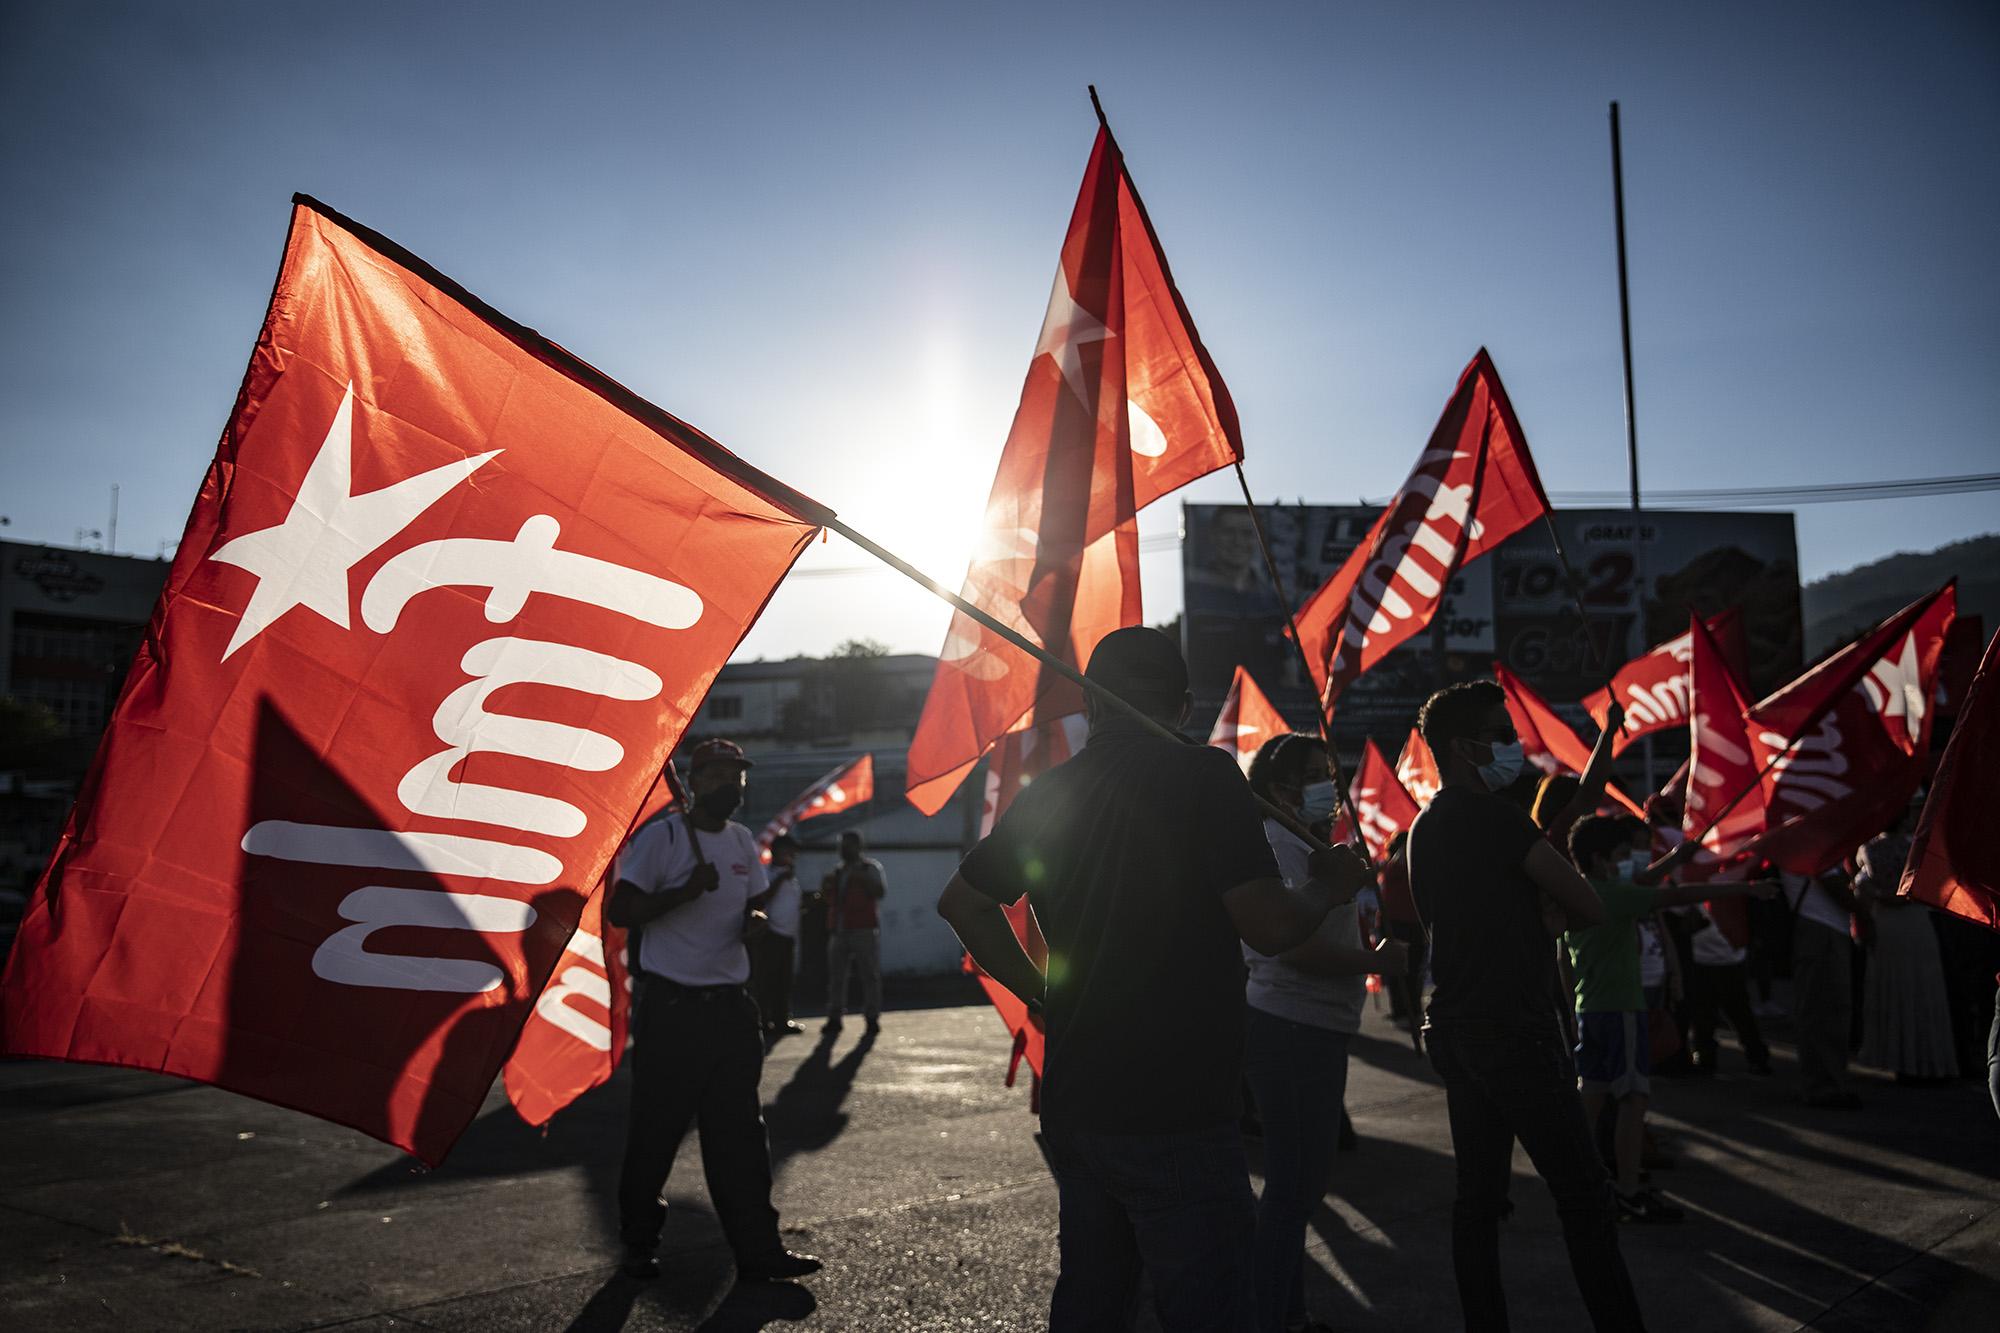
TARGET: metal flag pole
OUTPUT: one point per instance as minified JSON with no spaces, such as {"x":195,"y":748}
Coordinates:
{"x":1631,"y":410}
{"x":1048,"y":659}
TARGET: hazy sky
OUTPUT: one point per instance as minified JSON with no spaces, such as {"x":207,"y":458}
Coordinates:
{"x":825,"y":234}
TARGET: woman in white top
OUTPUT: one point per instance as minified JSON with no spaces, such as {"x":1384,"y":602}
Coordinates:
{"x":1304,"y":1004}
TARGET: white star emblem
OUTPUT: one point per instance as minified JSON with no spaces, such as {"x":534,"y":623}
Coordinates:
{"x":1065,"y":329}
{"x":304,"y":561}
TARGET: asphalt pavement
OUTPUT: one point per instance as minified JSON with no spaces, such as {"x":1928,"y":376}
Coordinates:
{"x":130,"y":1200}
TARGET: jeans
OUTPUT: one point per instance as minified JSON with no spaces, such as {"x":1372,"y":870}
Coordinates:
{"x":859,"y":951}
{"x":1177,"y":1206}
{"x":1298,"y":1074}
{"x":1503,"y":1084}
{"x":696,"y":1058}
{"x":1722,"y":989}
{"x":1823,"y":997}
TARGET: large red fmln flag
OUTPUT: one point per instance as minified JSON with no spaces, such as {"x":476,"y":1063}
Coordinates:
{"x":1417,"y":770}
{"x":1724,"y":806}
{"x":851,"y":784}
{"x":1794,"y":707}
{"x":1473,"y":487}
{"x":1121,"y":406}
{"x":1955,"y":853}
{"x":1653,"y":687}
{"x":445,"y":602}
{"x":1854,"y":769}
{"x":575,"y":1035}
{"x":1247,"y":720}
{"x":1381,"y":806}
{"x":1548,"y":741}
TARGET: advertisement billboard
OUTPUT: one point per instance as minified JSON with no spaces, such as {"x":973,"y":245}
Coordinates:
{"x":1640,"y":579}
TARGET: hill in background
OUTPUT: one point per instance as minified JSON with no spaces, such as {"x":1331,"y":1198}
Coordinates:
{"x":1840,"y":606}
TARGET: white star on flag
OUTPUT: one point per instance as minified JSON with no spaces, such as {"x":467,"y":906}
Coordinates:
{"x":305,"y":560}
{"x":1065,"y":328}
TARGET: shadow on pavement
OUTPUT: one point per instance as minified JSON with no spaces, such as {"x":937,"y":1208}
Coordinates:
{"x":805,"y":1115}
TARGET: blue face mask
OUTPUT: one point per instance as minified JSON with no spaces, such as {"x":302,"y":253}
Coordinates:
{"x":1499,"y":772}
{"x":1318,"y":802}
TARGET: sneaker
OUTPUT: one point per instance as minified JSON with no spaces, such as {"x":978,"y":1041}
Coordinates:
{"x":1646,"y":1206}
{"x":788,"y":1028}
{"x":778,"y":1267}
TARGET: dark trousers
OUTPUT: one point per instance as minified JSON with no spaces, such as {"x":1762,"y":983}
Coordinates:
{"x":1723,"y":990}
{"x":696,"y":1060}
{"x":1823,"y":1001}
{"x":1177,"y":1206}
{"x":1298,"y":1074}
{"x":771,"y":963}
{"x":1501,"y":1085}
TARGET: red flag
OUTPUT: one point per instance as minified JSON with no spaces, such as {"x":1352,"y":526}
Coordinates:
{"x":1417,"y":770}
{"x":575,"y":1035}
{"x":1849,"y":775}
{"x":1473,"y":487}
{"x":1247,"y":720}
{"x":848,"y":786}
{"x":1381,"y":805}
{"x":446,"y":599}
{"x":1797,"y":705}
{"x":1721,"y":768}
{"x":1121,"y":406}
{"x":1548,"y":741}
{"x":1654,"y":687}
{"x":1955,"y":853}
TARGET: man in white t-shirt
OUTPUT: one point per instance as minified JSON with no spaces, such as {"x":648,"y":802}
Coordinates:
{"x":682,"y":887}
{"x":773,"y":955}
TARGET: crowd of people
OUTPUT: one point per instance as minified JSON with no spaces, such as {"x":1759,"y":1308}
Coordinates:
{"x":1208,"y":953}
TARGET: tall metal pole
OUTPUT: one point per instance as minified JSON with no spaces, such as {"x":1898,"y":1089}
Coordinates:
{"x":1631,"y":410}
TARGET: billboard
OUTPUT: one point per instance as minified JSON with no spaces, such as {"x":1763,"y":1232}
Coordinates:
{"x":1640,"y":578}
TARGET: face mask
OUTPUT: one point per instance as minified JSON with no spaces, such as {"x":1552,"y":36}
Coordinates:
{"x":720,"y":803}
{"x":1318,"y":802}
{"x":1499,"y":773}
{"x":1630,"y":867}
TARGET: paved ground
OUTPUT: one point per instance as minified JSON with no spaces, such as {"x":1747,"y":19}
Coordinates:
{"x":133,"y":1201}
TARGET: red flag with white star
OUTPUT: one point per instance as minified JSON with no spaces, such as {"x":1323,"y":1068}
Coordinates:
{"x":1121,"y":406}
{"x":1381,"y":806}
{"x":1417,"y":770}
{"x":1793,"y":708}
{"x":446,"y":600}
{"x":1474,"y":486}
{"x":1954,"y":858}
{"x":1653,"y":687}
{"x":1852,"y":771}
{"x":1248,"y":719}
{"x":850,"y":785}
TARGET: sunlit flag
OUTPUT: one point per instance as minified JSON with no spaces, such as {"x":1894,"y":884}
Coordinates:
{"x":1381,"y":806}
{"x":1955,"y":853}
{"x":1548,"y":741}
{"x":1248,"y":719}
{"x":446,"y":600}
{"x":1724,"y":806}
{"x":1417,"y":770}
{"x":1653,"y":687}
{"x":848,"y":786}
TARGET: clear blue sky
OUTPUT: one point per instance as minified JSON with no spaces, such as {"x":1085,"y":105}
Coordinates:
{"x":825,"y":234}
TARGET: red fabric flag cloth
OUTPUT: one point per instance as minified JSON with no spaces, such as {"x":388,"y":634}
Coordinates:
{"x":850,"y":785}
{"x":1550,"y":744}
{"x":446,"y":600}
{"x":1723,"y":789}
{"x":1654,"y":687}
{"x":1247,"y":720}
{"x":1794,"y":707}
{"x":575,"y":1035}
{"x":1417,"y":771}
{"x":1381,"y":805}
{"x":1853,"y":771}
{"x":1121,"y":406}
{"x":1955,"y":853}
{"x":1473,"y":487}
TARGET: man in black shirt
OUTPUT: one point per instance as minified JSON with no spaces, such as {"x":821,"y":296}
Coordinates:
{"x":1146,"y":864}
{"x":1494,"y":895}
